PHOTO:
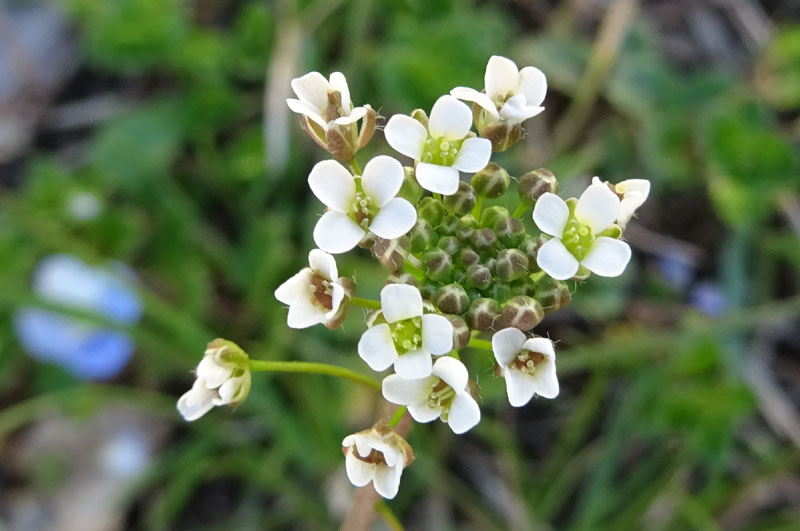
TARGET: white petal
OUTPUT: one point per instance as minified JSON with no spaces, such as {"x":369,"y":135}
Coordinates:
{"x":307,"y":110}
{"x":414,"y":364}
{"x":450,"y":118}
{"x":354,"y":116}
{"x":339,"y":84}
{"x":377,"y":348}
{"x":470,"y":94}
{"x":533,"y":84}
{"x":542,"y":345}
{"x":597,"y":207}
{"x":323,"y":263}
{"x":506,"y":344}
{"x":294,"y":287}
{"x":641,"y":186}
{"x":336,"y":233}
{"x":337,"y":296}
{"x":452,"y":372}
{"x":520,"y":387}
{"x":304,"y":313}
{"x":555,"y":260}
{"x":404,"y":392}
{"x":437,"y":334}
{"x":227,"y":391}
{"x":396,"y":218}
{"x":406,"y":135}
{"x":474,"y":155}
{"x":551,"y":214}
{"x":382,"y":178}
{"x":422,"y":413}
{"x":358,"y":472}
{"x":608,"y":257}
{"x":312,"y":88}
{"x":516,"y":110}
{"x":400,"y":301}
{"x":546,"y":382}
{"x":437,"y":179}
{"x":628,"y":206}
{"x":387,"y":481}
{"x":502,"y":76}
{"x":196,"y":402}
{"x":212,"y":373}
{"x":333,"y":184}
{"x":464,"y":413}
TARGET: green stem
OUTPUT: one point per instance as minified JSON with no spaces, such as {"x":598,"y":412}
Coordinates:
{"x":521,"y":208}
{"x":399,"y":413}
{"x":365,"y":303}
{"x":314,"y":368}
{"x":416,"y":272}
{"x":438,"y":197}
{"x":476,"y":211}
{"x":480,"y":343}
{"x":388,"y":516}
{"x":354,"y":167}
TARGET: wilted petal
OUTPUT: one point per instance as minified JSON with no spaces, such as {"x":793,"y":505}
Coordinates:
{"x":404,"y":392}
{"x":551,"y":214}
{"x":377,"y":348}
{"x":406,"y":135}
{"x":555,"y":260}
{"x":437,"y":334}
{"x":450,"y":118}
{"x":533,"y":84}
{"x":414,"y":364}
{"x":339,"y":84}
{"x":597,"y":207}
{"x":608,"y":257}
{"x":452,"y":372}
{"x":333,"y":184}
{"x":312,"y":88}
{"x":502,"y":76}
{"x":382,"y":178}
{"x":437,"y":179}
{"x":400,"y":301}
{"x":394,"y":219}
{"x":336,"y":233}
{"x":506,"y":344}
{"x":387,"y":481}
{"x":470,"y":94}
{"x":520,"y":387}
{"x":474,"y":155}
{"x":464,"y":413}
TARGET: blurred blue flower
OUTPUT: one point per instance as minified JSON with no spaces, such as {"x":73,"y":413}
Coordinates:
{"x":676,"y":269}
{"x":82,"y":348}
{"x":709,"y":299}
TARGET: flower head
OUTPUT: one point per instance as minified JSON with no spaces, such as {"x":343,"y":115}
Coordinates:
{"x":443,"y":147}
{"x":378,"y":455}
{"x":444,"y":394}
{"x":527,"y":364}
{"x":358,"y":205}
{"x":633,"y":193}
{"x":315,"y":294}
{"x":583,"y":233}
{"x":223,"y":378}
{"x":406,"y":338}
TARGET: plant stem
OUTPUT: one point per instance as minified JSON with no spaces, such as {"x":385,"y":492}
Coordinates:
{"x":416,"y":272}
{"x":476,"y":211}
{"x":480,"y":343}
{"x":521,"y":208}
{"x":354,"y":167}
{"x":388,"y":516}
{"x":438,"y":197}
{"x":314,"y":368}
{"x":399,"y":413}
{"x":365,"y":303}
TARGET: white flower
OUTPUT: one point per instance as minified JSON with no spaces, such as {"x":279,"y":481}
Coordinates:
{"x":223,"y":378}
{"x":357,"y":205}
{"x":444,"y":394}
{"x":443,"y":148}
{"x":315,"y":294}
{"x":378,"y":455}
{"x":578,"y":234}
{"x":510,"y":95}
{"x":324,"y":101}
{"x":634,"y":192}
{"x":527,"y":364}
{"x":407,"y":338}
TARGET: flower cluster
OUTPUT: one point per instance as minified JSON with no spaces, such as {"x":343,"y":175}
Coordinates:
{"x":463,"y":272}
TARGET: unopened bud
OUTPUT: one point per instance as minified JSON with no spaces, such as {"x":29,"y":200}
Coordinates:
{"x":461,"y":332}
{"x":502,"y":135}
{"x":451,"y":299}
{"x":492,"y":181}
{"x":431,"y":210}
{"x":391,"y":253}
{"x":535,"y":183}
{"x":500,"y":291}
{"x":552,"y":294}
{"x":469,"y":257}
{"x":482,"y":314}
{"x":483,"y":239}
{"x":438,"y":265}
{"x":449,"y":225}
{"x":449,"y":244}
{"x":411,"y":191}
{"x":510,"y":231}
{"x":402,"y":278}
{"x":524,"y":286}
{"x":491,"y":216}
{"x":521,"y":312}
{"x":463,"y":201}
{"x":467,"y":225}
{"x":422,"y":236}
{"x":479,"y":276}
{"x":530,"y":246}
{"x":511,"y":265}
{"x":428,"y":291}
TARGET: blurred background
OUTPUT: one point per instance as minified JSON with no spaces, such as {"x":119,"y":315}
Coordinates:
{"x":153,"y":195}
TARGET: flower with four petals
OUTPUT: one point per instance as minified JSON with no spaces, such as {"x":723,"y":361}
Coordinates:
{"x":527,"y":364}
{"x":378,"y":455}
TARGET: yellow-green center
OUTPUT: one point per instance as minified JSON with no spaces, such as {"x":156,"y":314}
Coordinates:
{"x":441,"y":151}
{"x":407,"y":334}
{"x":577,"y":238}
{"x":364,"y":208}
{"x":441,"y":397}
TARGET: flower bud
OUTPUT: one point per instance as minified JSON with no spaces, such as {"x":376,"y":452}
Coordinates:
{"x":479,"y":276}
{"x":449,"y":244}
{"x":467,"y":225}
{"x":552,"y":294}
{"x":402,"y":278}
{"x":491,"y":216}
{"x":463,"y":201}
{"x":524,"y":286}
{"x":521,"y":312}
{"x":451,"y":299}
{"x":428,"y":291}
{"x":482,"y":314}
{"x":535,"y":183}
{"x":461,"y":332}
{"x":500,"y":291}
{"x":530,"y":246}
{"x":510,"y":232}
{"x":492,"y":181}
{"x":483,"y":239}
{"x":469,"y":257}
{"x":430,"y":210}
{"x":411,"y":191}
{"x":502,"y":134}
{"x":421,"y":236}
{"x":340,"y":140}
{"x":449,"y":225}
{"x":511,"y":265}
{"x":391,"y":253}
{"x":438,"y":265}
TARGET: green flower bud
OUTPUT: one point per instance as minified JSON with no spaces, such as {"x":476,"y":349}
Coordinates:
{"x":438,"y":265}
{"x":511,"y":265}
{"x":510,"y":232}
{"x":552,"y":294}
{"x":482,"y":313}
{"x":491,"y":216}
{"x":463,"y":201}
{"x":411,"y":190}
{"x":479,"y":276}
{"x":483,"y":239}
{"x":461,"y":332}
{"x":449,"y":244}
{"x":469,"y":257}
{"x":402,"y":278}
{"x":451,"y":299}
{"x":422,"y":236}
{"x":521,"y":312}
{"x":467,"y":226}
{"x":500,"y":292}
{"x":524,"y":286}
{"x":492,"y":181}
{"x":391,"y":253}
{"x":428,"y":291}
{"x":449,"y":225}
{"x":431,"y":210}
{"x":535,"y":183}
{"x":530,"y":246}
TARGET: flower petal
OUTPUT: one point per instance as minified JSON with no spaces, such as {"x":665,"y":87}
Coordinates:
{"x":506,"y":344}
{"x":634,"y":193}
{"x":555,"y":260}
{"x":551,"y":214}
{"x":608,"y":257}
{"x":598,"y":207}
{"x":382,"y":178}
{"x":304,"y":313}
{"x":404,"y":392}
{"x":323,"y":263}
{"x":470,"y":94}
{"x":520,"y":387}
{"x":387,"y":480}
{"x":406,"y":135}
{"x":377,"y":348}
{"x":354,"y":116}
{"x":542,"y":345}
{"x":196,"y":402}
{"x":400,"y":301}
{"x":546,"y":382}
{"x":437,"y":179}
{"x":516,"y":110}
{"x":396,"y":218}
{"x":450,"y":118}
{"x":212,"y":373}
{"x":437,"y":334}
{"x":414,"y":364}
{"x":333,"y":185}
{"x":337,"y":296}
{"x":464,"y":413}
{"x":312,"y":89}
{"x":533,"y":84}
{"x":474,"y":155}
{"x":358,"y":472}
{"x":307,"y":110}
{"x":294,"y":287}
{"x":452,"y":372}
{"x":422,"y":413}
{"x":336,"y":233}
{"x":339,"y":84}
{"x":502,"y":77}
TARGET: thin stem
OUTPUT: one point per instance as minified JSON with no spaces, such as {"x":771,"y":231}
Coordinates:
{"x":399,"y":413}
{"x":314,"y":368}
{"x":416,"y":272}
{"x":438,"y":197}
{"x":480,"y":343}
{"x":388,"y":516}
{"x":476,"y":211}
{"x":521,"y":208}
{"x":354,"y":167}
{"x":365,"y":303}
